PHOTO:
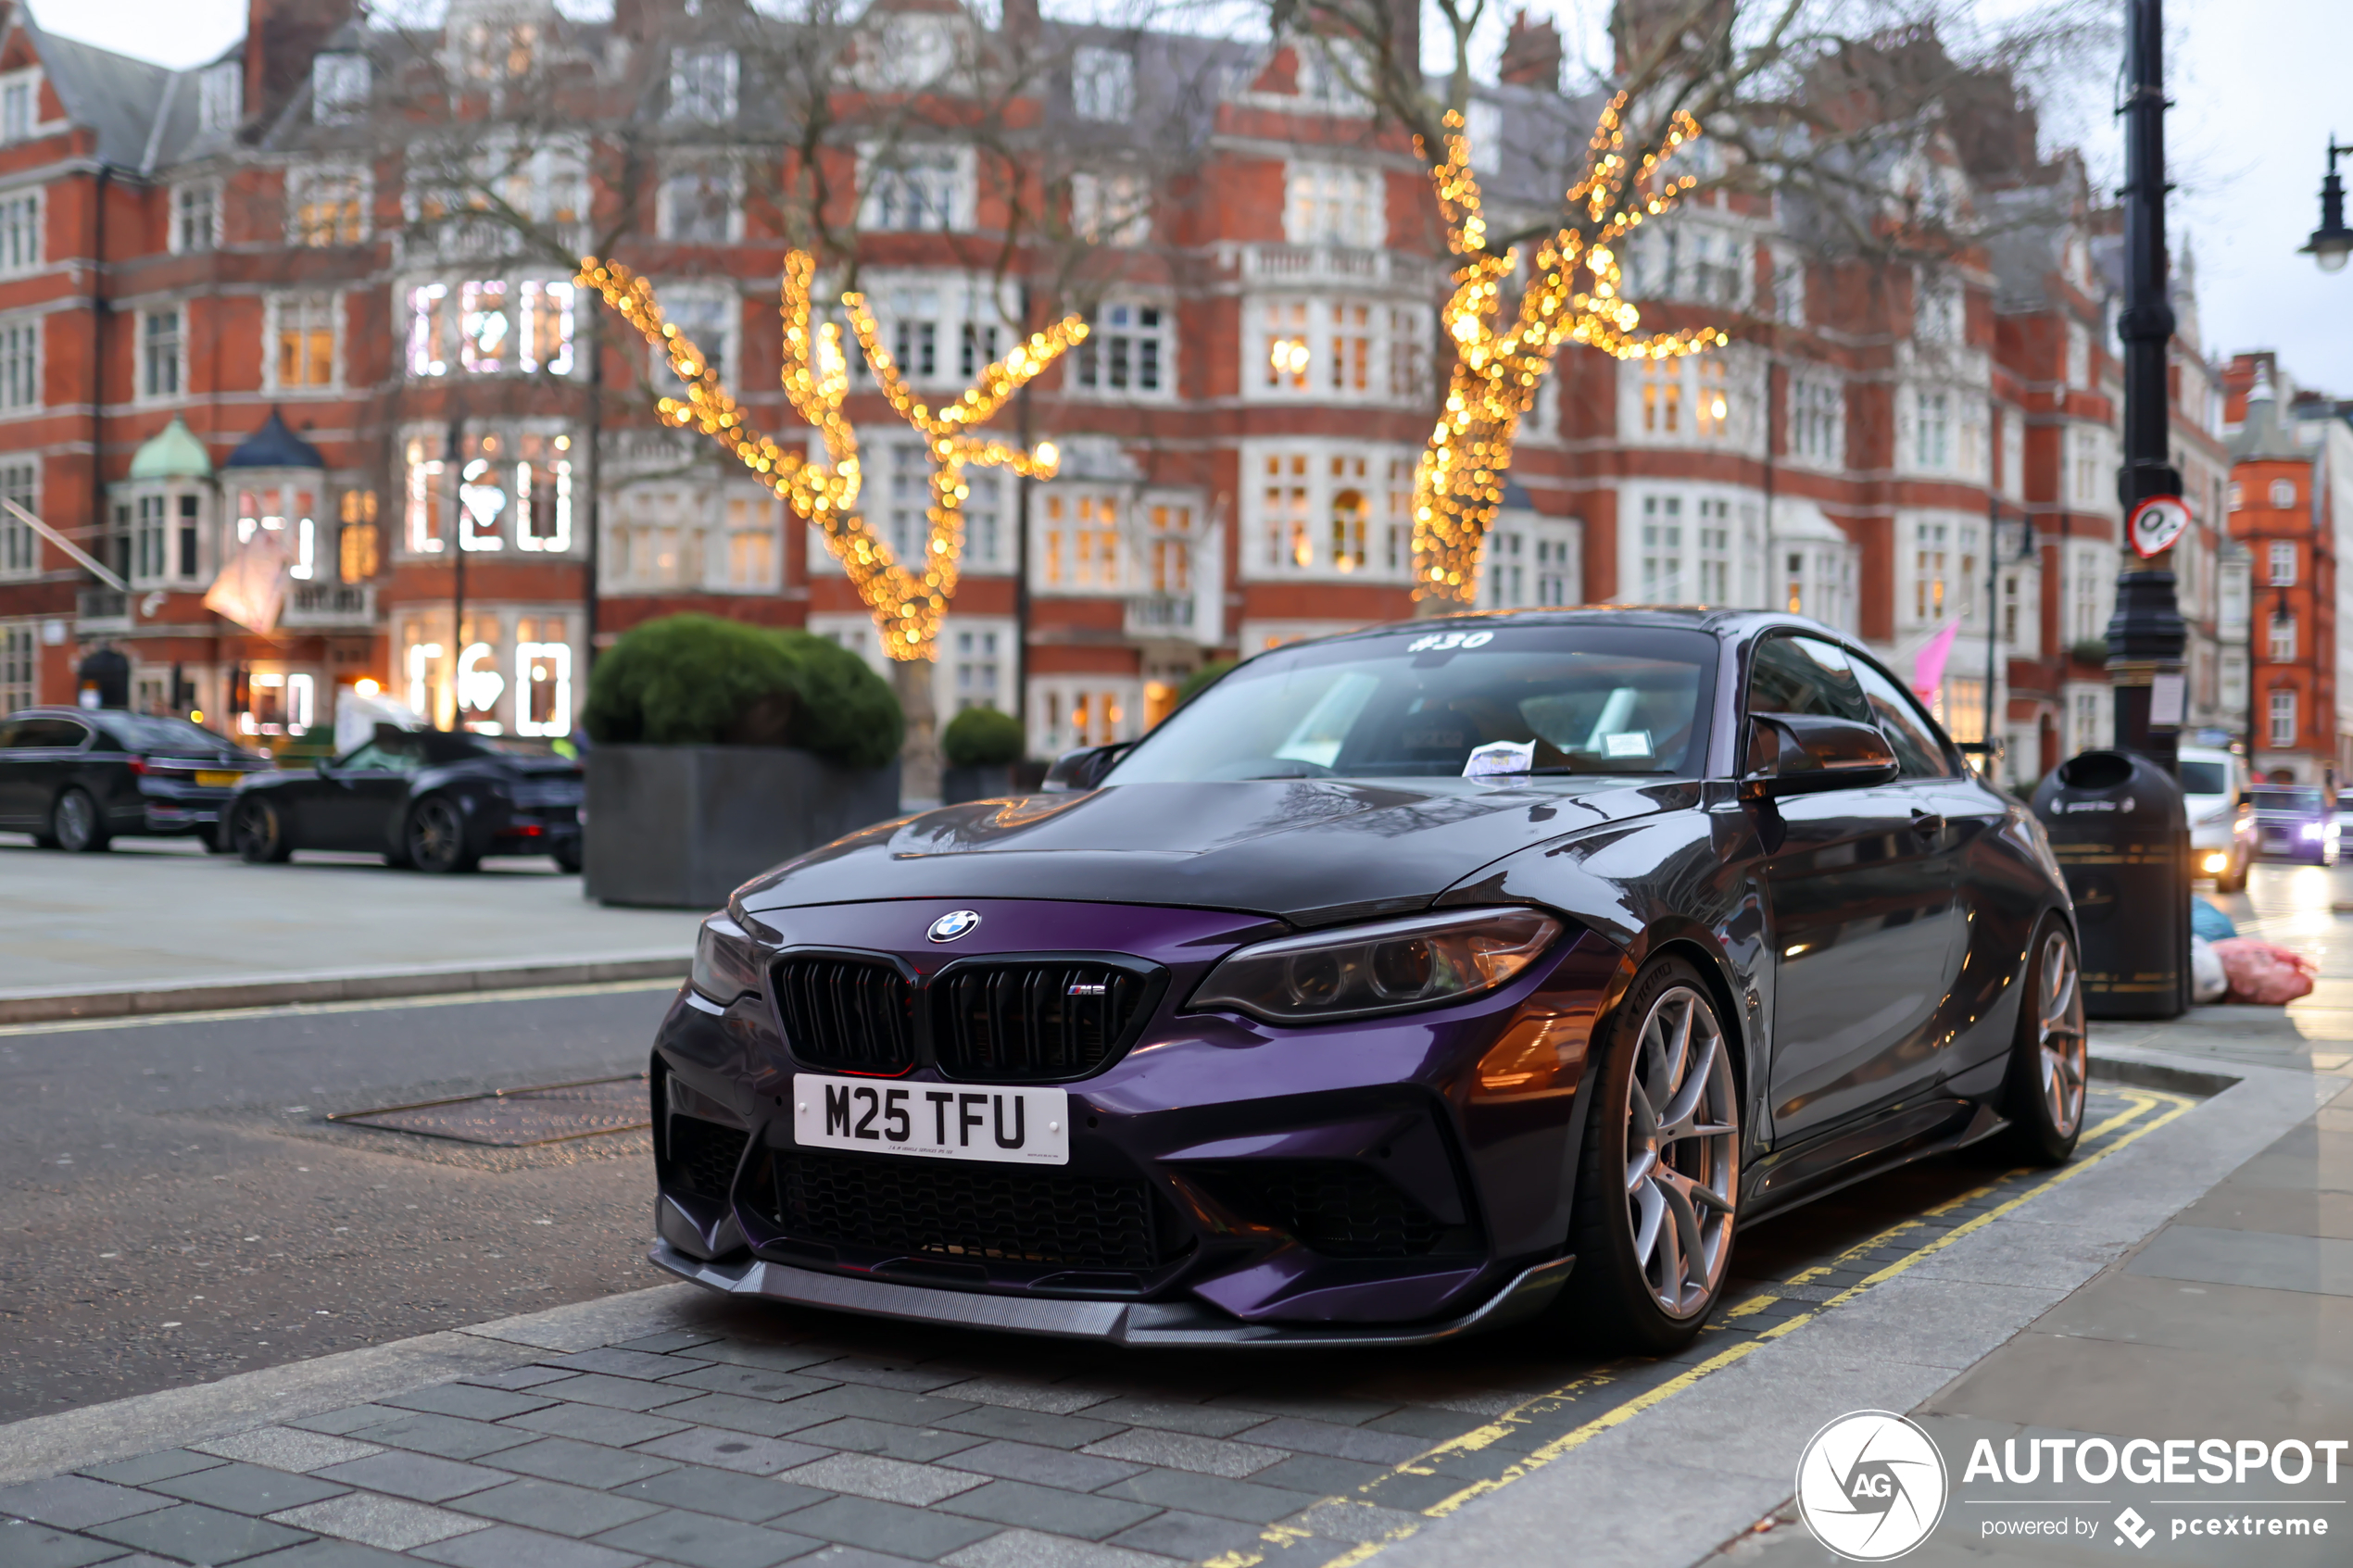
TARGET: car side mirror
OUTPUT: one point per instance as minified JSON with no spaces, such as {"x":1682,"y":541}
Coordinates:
{"x":1074,"y":772}
{"x":1801,"y":753}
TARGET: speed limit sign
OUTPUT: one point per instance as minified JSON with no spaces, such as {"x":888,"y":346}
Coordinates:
{"x":2155,"y":524}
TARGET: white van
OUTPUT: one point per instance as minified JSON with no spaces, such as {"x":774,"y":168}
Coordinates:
{"x":2214,"y":787}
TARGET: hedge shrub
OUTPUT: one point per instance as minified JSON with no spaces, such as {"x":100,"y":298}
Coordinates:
{"x":982,"y":737}
{"x":701,"y":680}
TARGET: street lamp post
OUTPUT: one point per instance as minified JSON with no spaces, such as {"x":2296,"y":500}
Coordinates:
{"x":2145,"y":637}
{"x":2332,"y":242}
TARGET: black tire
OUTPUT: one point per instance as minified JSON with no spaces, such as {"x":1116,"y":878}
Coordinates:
{"x":76,"y":824}
{"x":1619,"y":1289}
{"x":567,"y":859}
{"x":436,"y":837}
{"x":258,"y":829}
{"x":216,"y":840}
{"x":2044,"y":1092}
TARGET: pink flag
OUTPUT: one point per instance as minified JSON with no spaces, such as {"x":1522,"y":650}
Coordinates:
{"x":1928,"y":665}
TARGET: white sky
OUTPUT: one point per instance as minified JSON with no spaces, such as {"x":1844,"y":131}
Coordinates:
{"x":2258,"y":85}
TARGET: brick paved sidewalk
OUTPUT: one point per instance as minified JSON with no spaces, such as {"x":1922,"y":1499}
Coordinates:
{"x":739,"y":1443}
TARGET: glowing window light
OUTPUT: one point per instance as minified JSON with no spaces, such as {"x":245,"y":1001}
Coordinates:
{"x":421,"y":657}
{"x":479,"y":684}
{"x":542,"y":688}
{"x":299,"y":703}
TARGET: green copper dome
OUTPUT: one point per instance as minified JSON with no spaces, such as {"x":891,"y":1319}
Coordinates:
{"x":174,"y":453}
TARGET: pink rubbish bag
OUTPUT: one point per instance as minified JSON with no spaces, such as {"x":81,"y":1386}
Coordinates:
{"x":2263,"y":973}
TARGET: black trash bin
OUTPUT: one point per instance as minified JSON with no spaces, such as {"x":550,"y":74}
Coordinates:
{"x":2121,"y":835}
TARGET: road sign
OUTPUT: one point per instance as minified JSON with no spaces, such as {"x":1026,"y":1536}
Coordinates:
{"x":2155,"y":524}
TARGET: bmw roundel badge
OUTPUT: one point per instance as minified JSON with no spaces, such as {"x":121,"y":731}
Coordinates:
{"x":954,"y":924}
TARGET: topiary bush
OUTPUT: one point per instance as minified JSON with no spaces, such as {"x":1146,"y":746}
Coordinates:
{"x":982,"y":737}
{"x":703,"y":680}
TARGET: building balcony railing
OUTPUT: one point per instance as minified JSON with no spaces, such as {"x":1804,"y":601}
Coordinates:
{"x":102,"y":609}
{"x":331,"y":604}
{"x":1343,"y":263}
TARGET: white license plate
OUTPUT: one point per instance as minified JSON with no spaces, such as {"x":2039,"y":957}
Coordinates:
{"x":938,"y":1121}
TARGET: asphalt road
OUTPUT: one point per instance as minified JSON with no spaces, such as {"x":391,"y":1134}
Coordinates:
{"x":171,"y":1221}
{"x":177,"y":1212}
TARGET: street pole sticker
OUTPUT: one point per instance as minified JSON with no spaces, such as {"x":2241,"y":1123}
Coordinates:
{"x":2155,"y":524}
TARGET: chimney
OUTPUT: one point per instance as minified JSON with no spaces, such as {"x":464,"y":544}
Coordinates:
{"x":281,"y":38}
{"x":1532,"y":54}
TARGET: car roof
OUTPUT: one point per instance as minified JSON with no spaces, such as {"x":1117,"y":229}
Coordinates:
{"x":1729,"y":624}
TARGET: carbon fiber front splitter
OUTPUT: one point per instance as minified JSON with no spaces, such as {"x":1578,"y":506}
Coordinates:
{"x":1176,"y":1324}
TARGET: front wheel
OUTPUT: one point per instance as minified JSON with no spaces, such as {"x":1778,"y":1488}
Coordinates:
{"x":259,"y":831}
{"x":437,"y":838}
{"x":1658,"y":1183}
{"x":2049,"y":1058}
{"x":76,"y":822}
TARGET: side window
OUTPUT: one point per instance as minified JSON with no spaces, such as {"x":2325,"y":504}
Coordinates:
{"x":1920,"y":748}
{"x":377,"y":757}
{"x":1804,"y":675}
{"x":53,"y":734}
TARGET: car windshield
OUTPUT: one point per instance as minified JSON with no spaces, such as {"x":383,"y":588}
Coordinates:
{"x":1417,"y":702}
{"x":2204,"y":778}
{"x":146,"y":731}
{"x":2287,"y":799}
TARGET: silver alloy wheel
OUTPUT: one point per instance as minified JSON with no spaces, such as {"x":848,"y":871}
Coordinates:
{"x":2059,"y":1033}
{"x":1683,"y":1153}
{"x":76,"y":820}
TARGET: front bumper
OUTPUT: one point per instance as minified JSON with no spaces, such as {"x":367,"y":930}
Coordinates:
{"x":1394,"y":1180}
{"x":1164,"y":1325}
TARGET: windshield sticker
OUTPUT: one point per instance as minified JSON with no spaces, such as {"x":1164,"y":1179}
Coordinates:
{"x":1503,"y":757}
{"x":1627,"y":743}
{"x":1441,"y":641}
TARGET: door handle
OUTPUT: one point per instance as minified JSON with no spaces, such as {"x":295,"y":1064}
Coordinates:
{"x":1927,"y":824}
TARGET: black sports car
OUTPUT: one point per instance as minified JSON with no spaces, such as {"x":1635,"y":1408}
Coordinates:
{"x":438,"y":800}
{"x":1395,"y":985}
{"x":75,"y":777}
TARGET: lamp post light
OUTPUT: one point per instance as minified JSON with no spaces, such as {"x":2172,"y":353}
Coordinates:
{"x":2332,"y":242}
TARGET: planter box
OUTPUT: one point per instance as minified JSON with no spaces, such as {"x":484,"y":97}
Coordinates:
{"x":681,"y":827}
{"x":960,"y":785}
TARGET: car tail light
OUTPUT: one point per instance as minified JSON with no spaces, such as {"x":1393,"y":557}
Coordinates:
{"x":139,"y":766}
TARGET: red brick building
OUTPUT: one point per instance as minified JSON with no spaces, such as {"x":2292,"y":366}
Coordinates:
{"x":2283,"y":511}
{"x":247,"y":297}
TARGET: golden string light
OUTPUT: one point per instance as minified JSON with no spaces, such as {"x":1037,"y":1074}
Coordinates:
{"x":1458,"y":484}
{"x":906,"y":601}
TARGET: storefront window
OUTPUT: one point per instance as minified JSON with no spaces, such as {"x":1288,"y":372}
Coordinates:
{"x":288,"y":508}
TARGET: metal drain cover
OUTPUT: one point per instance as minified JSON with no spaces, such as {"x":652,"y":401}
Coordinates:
{"x":519,"y":1118}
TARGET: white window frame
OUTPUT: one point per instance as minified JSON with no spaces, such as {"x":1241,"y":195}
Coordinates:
{"x":730,"y":177}
{"x":426,"y":489}
{"x":35,"y":366}
{"x":274,"y":321}
{"x":432,"y":312}
{"x":1102,"y":83}
{"x":1358,"y":349}
{"x":181,"y":194}
{"x":28,"y":82}
{"x":1111,"y":208}
{"x":2281,"y":561}
{"x":1272,"y":521}
{"x":24,"y":212}
{"x":2282,"y":718}
{"x":1115,"y":346}
{"x":703,"y":83}
{"x":746,"y":510}
{"x":684,"y":305}
{"x":2282,"y":493}
{"x":1114,"y":706}
{"x":144,"y":367}
{"x":19,"y":545}
{"x":1522,"y":551}
{"x":220,"y":97}
{"x":952,"y":695}
{"x":20,"y":663}
{"x":1343,"y":205}
{"x":883,"y":175}
{"x":1816,"y":415}
{"x":341,"y":81}
{"x":299,"y":193}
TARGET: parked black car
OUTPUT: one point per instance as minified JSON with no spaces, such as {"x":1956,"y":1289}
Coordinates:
{"x":75,"y":777}
{"x":2294,"y":822}
{"x":438,"y":800}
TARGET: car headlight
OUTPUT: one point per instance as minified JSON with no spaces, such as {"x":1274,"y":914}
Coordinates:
{"x":1389,"y":967}
{"x":2313,"y":829}
{"x":727,"y":965}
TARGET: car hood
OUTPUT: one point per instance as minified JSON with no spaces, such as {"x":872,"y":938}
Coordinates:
{"x":1309,"y":851}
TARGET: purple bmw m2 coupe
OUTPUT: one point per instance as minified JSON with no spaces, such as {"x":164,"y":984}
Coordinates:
{"x":1400,"y":985}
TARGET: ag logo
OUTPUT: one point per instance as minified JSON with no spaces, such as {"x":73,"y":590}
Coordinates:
{"x":1871,"y":1486}
{"x":954,"y":924}
{"x":2155,"y":524}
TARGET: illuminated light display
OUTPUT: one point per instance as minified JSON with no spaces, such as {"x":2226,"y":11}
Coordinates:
{"x":1574,"y":294}
{"x":906,"y":601}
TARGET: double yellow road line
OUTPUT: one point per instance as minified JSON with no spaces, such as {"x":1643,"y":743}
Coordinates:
{"x":1481,"y":1460}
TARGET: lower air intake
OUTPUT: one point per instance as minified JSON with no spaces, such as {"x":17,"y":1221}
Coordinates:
{"x":949,"y":1210}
